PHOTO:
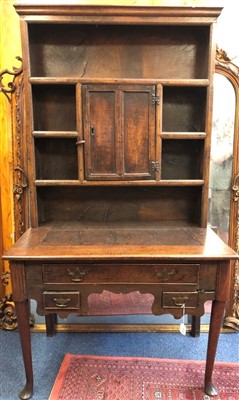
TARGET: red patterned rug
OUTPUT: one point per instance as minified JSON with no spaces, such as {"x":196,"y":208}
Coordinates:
{"x":121,"y":378}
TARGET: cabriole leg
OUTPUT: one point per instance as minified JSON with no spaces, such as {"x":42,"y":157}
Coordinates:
{"x":215,"y":325}
{"x":22,"y":312}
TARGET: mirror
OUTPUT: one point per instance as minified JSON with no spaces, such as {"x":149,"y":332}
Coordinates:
{"x":221,"y":157}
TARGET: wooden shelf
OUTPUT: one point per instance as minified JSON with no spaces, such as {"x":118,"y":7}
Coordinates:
{"x":75,"y":80}
{"x":183,"y":135}
{"x":181,"y":182}
{"x":185,"y":82}
{"x":53,"y":182}
{"x":53,"y":80}
{"x":168,"y":182}
{"x":55,"y":134}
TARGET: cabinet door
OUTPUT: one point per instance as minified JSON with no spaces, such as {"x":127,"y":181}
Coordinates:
{"x":138,"y":132}
{"x":100,"y":133}
{"x":119,"y":131}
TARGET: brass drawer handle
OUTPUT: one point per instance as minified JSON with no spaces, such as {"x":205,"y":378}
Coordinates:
{"x":61,"y":302}
{"x":180,"y":301}
{"x":165,"y":274}
{"x":77,"y":275}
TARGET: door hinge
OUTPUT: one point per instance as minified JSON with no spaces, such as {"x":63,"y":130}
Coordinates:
{"x":80,"y":142}
{"x":155,"y":166}
{"x":155,"y":99}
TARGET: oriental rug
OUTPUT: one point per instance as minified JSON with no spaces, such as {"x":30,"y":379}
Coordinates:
{"x":120,"y":378}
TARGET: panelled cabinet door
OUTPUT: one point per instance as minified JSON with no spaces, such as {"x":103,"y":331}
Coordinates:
{"x":101,"y":132}
{"x":119,"y":131}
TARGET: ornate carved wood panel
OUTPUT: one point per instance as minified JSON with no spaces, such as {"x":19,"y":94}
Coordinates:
{"x":11,"y":85}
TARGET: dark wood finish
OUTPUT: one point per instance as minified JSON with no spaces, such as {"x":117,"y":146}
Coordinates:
{"x":118,"y":118}
{"x":175,"y":51}
{"x":75,"y":60}
{"x":187,"y":154}
{"x":50,"y":101}
{"x":115,"y":273}
{"x":51,"y":322}
{"x":56,"y":159}
{"x":195,"y":326}
{"x":119,"y":131}
{"x":63,"y":241}
{"x":22,"y":311}
{"x":187,"y":105}
{"x":180,"y":268}
{"x":218,"y":308}
{"x":177,"y":204}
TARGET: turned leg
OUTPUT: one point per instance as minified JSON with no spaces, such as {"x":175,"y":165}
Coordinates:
{"x":215,"y":325}
{"x":51,"y":320}
{"x":22,"y":312}
{"x":195,"y":326}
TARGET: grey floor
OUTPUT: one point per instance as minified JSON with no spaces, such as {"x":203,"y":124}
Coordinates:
{"x":49,"y":352}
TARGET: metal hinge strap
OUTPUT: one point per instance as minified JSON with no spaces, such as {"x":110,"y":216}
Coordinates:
{"x":155,"y":99}
{"x":155,"y":166}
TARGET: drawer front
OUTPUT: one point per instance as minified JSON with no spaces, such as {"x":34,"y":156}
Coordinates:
{"x":61,"y":300}
{"x":118,"y":273}
{"x":179,"y":299}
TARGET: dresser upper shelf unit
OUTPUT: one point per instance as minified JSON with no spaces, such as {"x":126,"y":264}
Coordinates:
{"x":121,"y":97}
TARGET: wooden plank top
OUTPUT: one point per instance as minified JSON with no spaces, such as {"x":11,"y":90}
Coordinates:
{"x":78,"y":241}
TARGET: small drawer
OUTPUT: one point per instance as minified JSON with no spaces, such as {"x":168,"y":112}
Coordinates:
{"x":179,"y":299}
{"x":187,"y":274}
{"x":61,"y":300}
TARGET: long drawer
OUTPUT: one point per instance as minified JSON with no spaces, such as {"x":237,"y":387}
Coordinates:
{"x":120,"y":273}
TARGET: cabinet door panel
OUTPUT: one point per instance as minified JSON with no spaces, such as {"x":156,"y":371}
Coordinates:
{"x":100,"y":134}
{"x":139,"y":132}
{"x":119,"y":131}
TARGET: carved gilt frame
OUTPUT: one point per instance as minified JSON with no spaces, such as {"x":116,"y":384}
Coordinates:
{"x":11,"y":85}
{"x":228,"y":69}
